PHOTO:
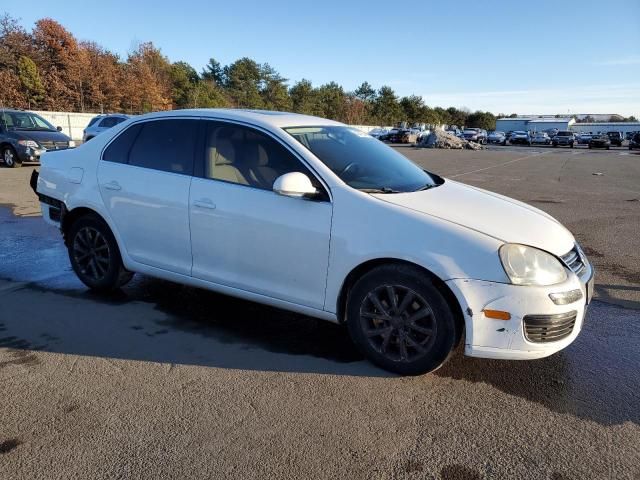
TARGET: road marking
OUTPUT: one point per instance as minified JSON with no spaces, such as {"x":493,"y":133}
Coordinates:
{"x":499,"y":165}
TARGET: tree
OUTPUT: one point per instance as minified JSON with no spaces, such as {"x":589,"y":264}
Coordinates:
{"x":485,"y":120}
{"x":331,"y":101}
{"x":58,"y":58}
{"x":30,"y":80}
{"x":243,"y":81}
{"x":148,"y":79}
{"x":412,"y":108}
{"x":274,"y":90}
{"x":386,"y":109}
{"x":365,"y":92}
{"x":184,"y":85}
{"x":214,"y":72}
{"x":304,"y":98}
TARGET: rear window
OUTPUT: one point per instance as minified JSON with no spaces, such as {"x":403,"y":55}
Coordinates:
{"x":565,"y":134}
{"x":166,"y":145}
{"x":93,"y":120}
{"x":118,"y":150}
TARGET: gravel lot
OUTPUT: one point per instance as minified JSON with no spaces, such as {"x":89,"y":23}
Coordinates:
{"x":164,"y":381}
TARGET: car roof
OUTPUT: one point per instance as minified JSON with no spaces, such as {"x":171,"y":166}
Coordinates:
{"x":265,"y":118}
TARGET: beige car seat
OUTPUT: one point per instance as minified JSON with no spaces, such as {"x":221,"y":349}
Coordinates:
{"x":258,"y":171}
{"x":221,"y":156}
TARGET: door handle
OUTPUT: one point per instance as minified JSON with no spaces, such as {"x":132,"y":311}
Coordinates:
{"x":113,"y":185}
{"x":205,"y":203}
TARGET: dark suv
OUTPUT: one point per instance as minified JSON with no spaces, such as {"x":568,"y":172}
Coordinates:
{"x":24,"y":136}
{"x":616,"y":138}
{"x":564,"y":138}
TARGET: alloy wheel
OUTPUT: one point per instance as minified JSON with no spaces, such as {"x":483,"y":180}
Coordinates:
{"x":398,"y":323}
{"x":8,"y":157}
{"x":91,"y":253}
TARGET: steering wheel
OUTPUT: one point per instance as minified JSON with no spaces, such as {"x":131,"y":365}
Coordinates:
{"x":351,"y":168}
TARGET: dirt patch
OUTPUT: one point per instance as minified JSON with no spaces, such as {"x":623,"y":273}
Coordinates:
{"x":8,"y":445}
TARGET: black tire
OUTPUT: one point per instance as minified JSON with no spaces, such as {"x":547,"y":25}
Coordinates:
{"x":94,"y":254}
{"x":571,"y":145}
{"x":608,"y":148}
{"x":589,"y":147}
{"x":410,"y":347}
{"x":10,"y":157}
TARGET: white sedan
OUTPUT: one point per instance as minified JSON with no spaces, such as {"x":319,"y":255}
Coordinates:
{"x":316,"y":217}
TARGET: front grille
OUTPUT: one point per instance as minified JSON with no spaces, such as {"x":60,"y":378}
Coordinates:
{"x":549,"y":328}
{"x":574,"y":260}
{"x":55,"y":145}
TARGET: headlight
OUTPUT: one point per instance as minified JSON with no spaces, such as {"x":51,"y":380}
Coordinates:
{"x":72,"y":144}
{"x":530,"y":266}
{"x":28,"y":143}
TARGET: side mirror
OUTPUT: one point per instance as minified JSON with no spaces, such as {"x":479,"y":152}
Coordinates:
{"x":59,"y":128}
{"x":294,"y":184}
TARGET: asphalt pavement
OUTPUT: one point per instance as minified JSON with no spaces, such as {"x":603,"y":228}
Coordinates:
{"x":165,"y":381}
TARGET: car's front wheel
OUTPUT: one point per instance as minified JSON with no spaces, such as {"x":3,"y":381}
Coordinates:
{"x":94,"y":254}
{"x":10,"y":157}
{"x":400,"y":321}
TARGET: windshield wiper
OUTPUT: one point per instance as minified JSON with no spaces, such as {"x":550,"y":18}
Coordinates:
{"x":426,"y":187}
{"x":379,"y":190}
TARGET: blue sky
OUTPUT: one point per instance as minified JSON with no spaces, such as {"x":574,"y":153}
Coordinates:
{"x":524,"y":57}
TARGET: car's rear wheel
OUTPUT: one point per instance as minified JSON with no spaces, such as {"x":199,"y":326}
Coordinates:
{"x":400,"y":321}
{"x":94,"y":254}
{"x":10,"y":157}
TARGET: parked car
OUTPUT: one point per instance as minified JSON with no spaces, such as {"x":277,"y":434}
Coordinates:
{"x":497,"y":138}
{"x":25,"y":136}
{"x":402,"y":135}
{"x":615,"y":138}
{"x":564,"y":139}
{"x":634,"y":141}
{"x":286,"y":209}
{"x":454,"y":131}
{"x":583,"y":138}
{"x":477,"y":135}
{"x":379,"y":133}
{"x":520,"y":137}
{"x":600,"y":140}
{"x":100,"y":124}
{"x":540,"y":138}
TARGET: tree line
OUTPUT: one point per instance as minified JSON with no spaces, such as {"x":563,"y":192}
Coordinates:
{"x":49,"y":69}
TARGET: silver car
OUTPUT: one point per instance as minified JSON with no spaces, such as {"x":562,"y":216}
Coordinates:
{"x":101,"y":123}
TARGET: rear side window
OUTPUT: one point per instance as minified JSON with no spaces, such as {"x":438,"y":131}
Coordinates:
{"x":118,"y":150}
{"x":166,"y":145}
{"x":108,"y":122}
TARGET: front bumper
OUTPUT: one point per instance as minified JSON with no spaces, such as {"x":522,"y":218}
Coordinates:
{"x":506,"y":339}
{"x":29,"y":154}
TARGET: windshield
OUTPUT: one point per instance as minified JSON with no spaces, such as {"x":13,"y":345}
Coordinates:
{"x":361,"y":161}
{"x":565,"y":134}
{"x":25,"y":121}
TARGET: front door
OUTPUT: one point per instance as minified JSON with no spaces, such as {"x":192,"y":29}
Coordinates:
{"x":246,"y":236}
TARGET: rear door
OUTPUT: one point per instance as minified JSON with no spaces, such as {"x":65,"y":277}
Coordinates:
{"x":144,"y":178}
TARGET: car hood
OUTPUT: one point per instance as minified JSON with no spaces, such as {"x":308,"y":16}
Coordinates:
{"x":489,"y":213}
{"x":42,"y":135}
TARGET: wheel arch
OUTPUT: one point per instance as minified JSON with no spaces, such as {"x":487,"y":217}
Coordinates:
{"x":72,"y":215}
{"x":359,"y":271}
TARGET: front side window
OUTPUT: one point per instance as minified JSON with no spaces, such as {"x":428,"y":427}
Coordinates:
{"x":166,"y":145}
{"x":242,"y":155}
{"x":362,"y":161}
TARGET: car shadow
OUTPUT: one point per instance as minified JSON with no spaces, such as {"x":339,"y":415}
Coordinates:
{"x":595,"y":378}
